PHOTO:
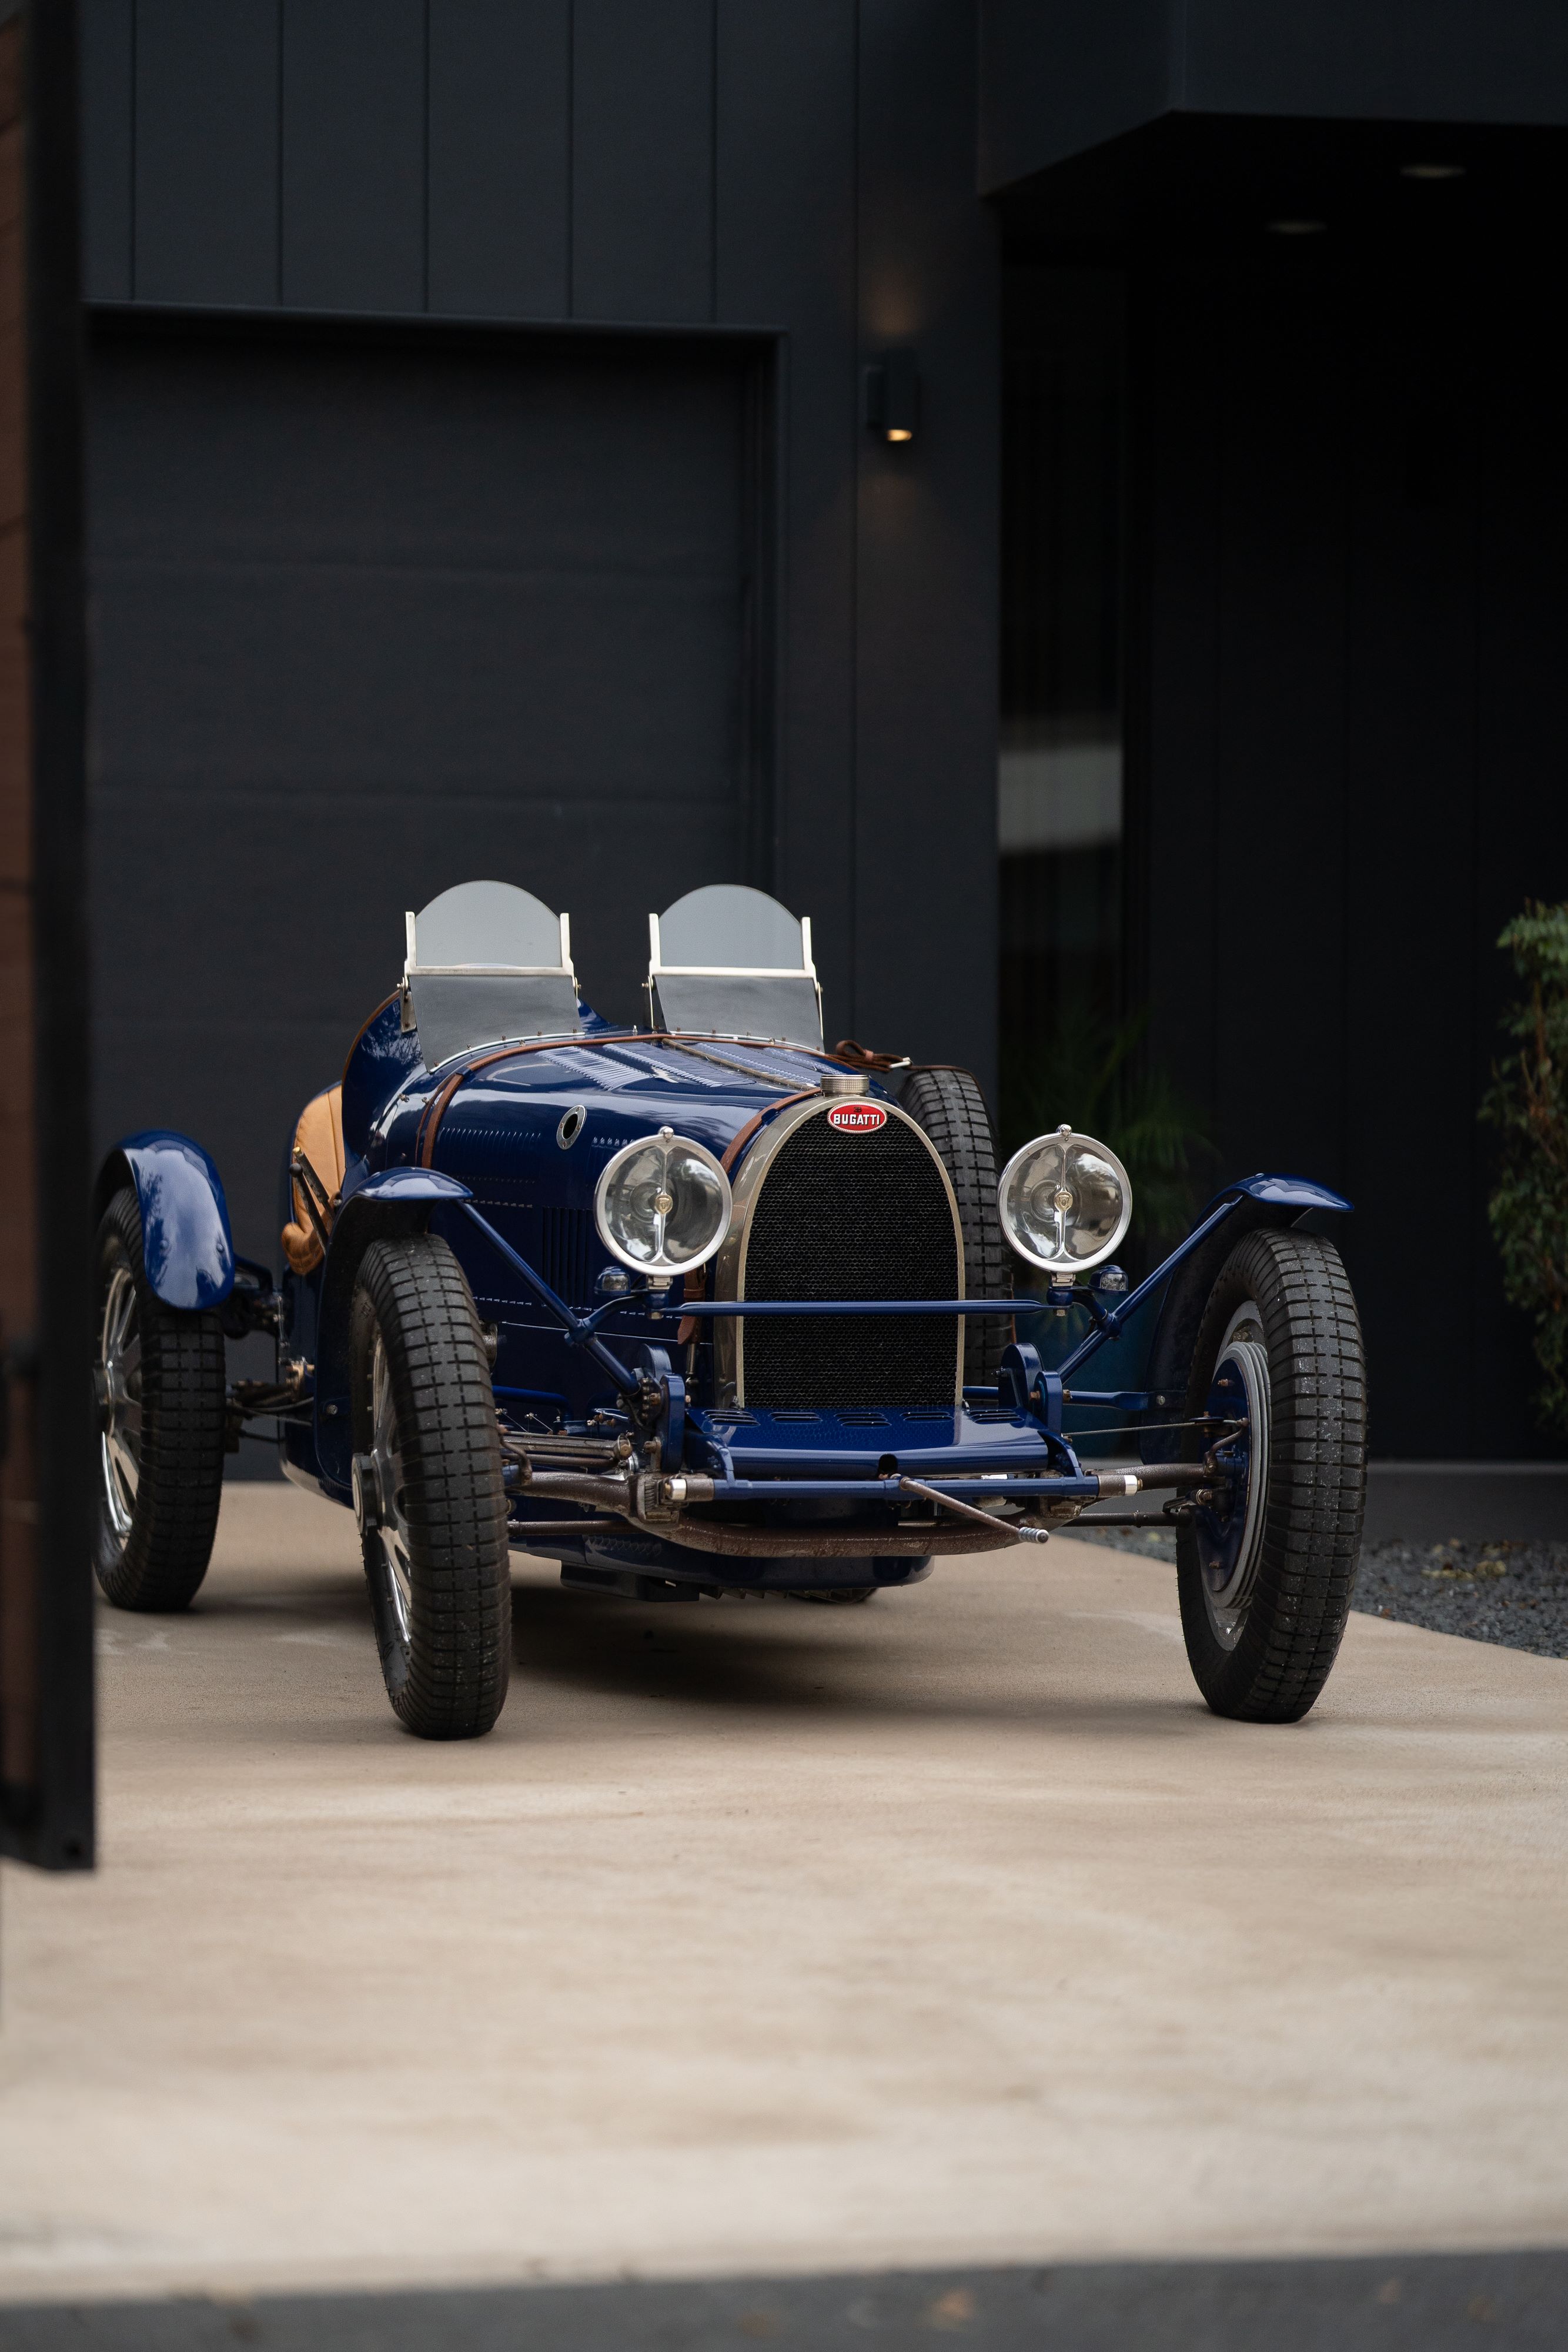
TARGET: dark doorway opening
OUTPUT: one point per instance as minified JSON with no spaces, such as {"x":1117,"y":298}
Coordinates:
{"x":1060,"y":784}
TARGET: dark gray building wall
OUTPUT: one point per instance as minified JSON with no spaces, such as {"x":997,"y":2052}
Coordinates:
{"x":803,"y":169}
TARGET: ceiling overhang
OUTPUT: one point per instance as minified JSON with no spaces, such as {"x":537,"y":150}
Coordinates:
{"x":1108,"y":125}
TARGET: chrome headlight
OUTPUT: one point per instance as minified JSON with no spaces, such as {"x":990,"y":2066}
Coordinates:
{"x":1065,"y":1202}
{"x":663,"y":1204}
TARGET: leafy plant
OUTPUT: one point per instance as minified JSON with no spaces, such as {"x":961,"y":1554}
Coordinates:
{"x":1092,"y":1072}
{"x":1527,"y":1102}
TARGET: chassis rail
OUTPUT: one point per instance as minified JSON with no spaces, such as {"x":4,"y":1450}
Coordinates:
{"x":648,"y":1503}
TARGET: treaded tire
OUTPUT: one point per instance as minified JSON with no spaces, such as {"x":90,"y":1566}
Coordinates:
{"x":1315,"y":1489}
{"x":446,"y":1657}
{"x":151,"y":1545}
{"x":951,"y":1108}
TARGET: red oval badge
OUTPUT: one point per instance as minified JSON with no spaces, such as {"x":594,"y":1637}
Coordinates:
{"x":857,"y":1117}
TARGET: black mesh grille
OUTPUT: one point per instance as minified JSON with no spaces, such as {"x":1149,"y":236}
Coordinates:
{"x":851,"y":1217}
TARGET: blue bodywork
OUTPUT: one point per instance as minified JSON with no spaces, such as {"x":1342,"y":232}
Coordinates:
{"x":483,"y":1153}
{"x":186,"y":1245}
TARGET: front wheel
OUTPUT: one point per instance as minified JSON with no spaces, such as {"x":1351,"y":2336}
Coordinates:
{"x":159,"y":1386}
{"x":1267,"y":1566}
{"x":428,"y":1490}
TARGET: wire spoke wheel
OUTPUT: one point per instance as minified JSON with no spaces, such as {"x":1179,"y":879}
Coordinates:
{"x":387,"y":1558}
{"x":118,"y":1385}
{"x":157,"y":1380}
{"x":428,"y":1490}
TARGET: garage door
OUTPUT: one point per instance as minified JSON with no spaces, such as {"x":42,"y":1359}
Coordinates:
{"x":371,"y":619}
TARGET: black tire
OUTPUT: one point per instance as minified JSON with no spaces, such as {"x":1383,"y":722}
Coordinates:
{"x":1264,"y":1599}
{"x":433,"y":1509}
{"x":951,"y":1108}
{"x":159,"y":1380}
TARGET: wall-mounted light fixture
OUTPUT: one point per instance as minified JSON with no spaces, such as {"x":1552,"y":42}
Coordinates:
{"x":893,"y":395}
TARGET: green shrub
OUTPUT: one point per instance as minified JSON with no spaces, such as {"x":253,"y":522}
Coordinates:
{"x":1092,"y":1074}
{"x":1528,"y":1104}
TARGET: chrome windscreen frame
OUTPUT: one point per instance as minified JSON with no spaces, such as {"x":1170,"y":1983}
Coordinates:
{"x":760,"y":1002}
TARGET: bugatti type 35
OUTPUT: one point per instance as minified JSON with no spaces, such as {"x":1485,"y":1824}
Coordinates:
{"x":698,"y":1307}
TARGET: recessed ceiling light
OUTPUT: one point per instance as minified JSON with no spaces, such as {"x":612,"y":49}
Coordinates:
{"x":1297,"y":227}
{"x":1432,"y":170}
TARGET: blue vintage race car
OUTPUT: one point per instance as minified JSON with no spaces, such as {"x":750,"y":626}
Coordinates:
{"x":701,"y":1308}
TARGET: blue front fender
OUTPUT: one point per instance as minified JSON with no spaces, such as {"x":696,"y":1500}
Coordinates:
{"x":1285,"y":1192}
{"x":186,"y":1245}
{"x":396,"y":1200}
{"x":1266,"y":1199}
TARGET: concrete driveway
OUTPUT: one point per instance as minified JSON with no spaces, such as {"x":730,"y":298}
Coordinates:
{"x":773,"y":1937}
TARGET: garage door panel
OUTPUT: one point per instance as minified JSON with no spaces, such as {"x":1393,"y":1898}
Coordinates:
{"x":281,"y":913}
{"x":370,"y":624}
{"x":388,"y":458}
{"x":319,"y":678}
{"x":260,"y":944}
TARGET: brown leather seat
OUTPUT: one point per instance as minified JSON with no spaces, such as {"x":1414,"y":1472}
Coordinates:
{"x":318,"y":1138}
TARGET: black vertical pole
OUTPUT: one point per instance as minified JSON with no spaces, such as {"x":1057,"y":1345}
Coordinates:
{"x":47,"y":1812}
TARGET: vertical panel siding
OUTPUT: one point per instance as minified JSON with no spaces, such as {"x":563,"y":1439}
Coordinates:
{"x":500,"y":124}
{"x":642,"y":160}
{"x":784,"y":209}
{"x":207,"y":150}
{"x":108,"y":49}
{"x":353,"y":154}
{"x":926,"y":552}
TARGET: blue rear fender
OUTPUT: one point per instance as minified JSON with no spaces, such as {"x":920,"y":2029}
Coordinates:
{"x":187,"y":1247}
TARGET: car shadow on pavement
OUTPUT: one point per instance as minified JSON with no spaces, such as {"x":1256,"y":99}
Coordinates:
{"x":796,"y":1658}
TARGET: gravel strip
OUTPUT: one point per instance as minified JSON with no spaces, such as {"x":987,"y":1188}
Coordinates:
{"x":1515,"y":1594}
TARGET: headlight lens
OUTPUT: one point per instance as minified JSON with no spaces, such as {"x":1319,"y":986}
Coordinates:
{"x":1065,"y":1202}
{"x":663,"y":1204}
